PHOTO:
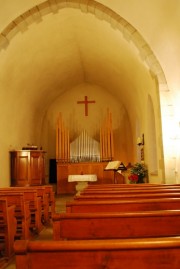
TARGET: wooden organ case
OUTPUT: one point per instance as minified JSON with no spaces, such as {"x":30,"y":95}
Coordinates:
{"x":84,"y":155}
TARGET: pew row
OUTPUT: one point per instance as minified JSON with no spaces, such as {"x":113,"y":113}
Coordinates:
{"x":30,"y":196}
{"x":130,"y":205}
{"x":46,"y":196}
{"x":131,"y":191}
{"x":8,"y":225}
{"x":49,"y":200}
{"x":68,"y":226}
{"x":149,"y":253}
{"x":130,"y":186}
{"x":101,"y":197}
{"x":119,"y":185}
{"x":22,"y":213}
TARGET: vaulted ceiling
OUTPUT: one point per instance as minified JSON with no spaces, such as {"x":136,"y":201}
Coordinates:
{"x":52,"y":53}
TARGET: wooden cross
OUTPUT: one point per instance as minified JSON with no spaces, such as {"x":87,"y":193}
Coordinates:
{"x":86,"y":102}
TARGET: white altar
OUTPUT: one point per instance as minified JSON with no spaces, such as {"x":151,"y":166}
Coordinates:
{"x":82,"y":181}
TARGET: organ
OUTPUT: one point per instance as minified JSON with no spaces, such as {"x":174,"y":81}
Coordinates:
{"x":83,"y":154}
{"x":83,"y":147}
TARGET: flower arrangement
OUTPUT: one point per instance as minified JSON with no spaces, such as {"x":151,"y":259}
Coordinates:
{"x":137,"y":173}
{"x":133,"y":178}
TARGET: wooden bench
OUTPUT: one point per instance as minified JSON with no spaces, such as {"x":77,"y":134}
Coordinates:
{"x":130,"y":186}
{"x":8,"y":225}
{"x":46,"y":199}
{"x":116,"y":225}
{"x":44,"y":196}
{"x":42,"y":192}
{"x":30,"y":195}
{"x":122,"y":205}
{"x":149,"y":253}
{"x":131,"y":192}
{"x":118,"y":185}
{"x":49,"y":200}
{"x":101,"y":197}
{"x":22,"y":213}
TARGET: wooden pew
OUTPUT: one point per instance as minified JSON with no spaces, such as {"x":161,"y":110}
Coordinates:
{"x":30,"y":195}
{"x":22,"y":213}
{"x":46,"y":202}
{"x":134,"y":191}
{"x":149,"y":253}
{"x":46,"y":195}
{"x":118,"y":185}
{"x":101,"y":197}
{"x":44,"y":205}
{"x":49,"y":199}
{"x":130,"y":186}
{"x":76,"y":226}
{"x":130,"y":205}
{"x":8,"y":225}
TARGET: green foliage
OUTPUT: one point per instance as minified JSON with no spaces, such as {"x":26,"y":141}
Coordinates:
{"x":139,"y":169}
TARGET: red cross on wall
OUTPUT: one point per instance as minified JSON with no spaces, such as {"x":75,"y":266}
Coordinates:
{"x":86,"y":102}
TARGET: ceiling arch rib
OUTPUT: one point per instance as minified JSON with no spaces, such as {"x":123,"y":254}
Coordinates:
{"x":100,"y":11}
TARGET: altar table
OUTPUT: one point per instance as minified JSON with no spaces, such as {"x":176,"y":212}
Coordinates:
{"x":82,"y":181}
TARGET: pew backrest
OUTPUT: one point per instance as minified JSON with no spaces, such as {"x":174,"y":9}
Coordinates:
{"x":100,"y":197}
{"x":47,"y":197}
{"x":50,"y":198}
{"x":130,"y":186}
{"x":30,"y":196}
{"x":8,"y":225}
{"x":123,"y":205}
{"x":22,"y":213}
{"x":149,"y":253}
{"x":131,"y":191}
{"x":76,"y":226}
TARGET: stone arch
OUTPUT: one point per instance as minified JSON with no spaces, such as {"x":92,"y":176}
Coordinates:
{"x":151,"y":138}
{"x":36,"y":13}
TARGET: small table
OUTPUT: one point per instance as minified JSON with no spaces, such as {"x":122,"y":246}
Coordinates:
{"x":82,"y":181}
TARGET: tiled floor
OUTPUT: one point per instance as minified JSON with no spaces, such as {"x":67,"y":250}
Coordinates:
{"x":47,"y":232}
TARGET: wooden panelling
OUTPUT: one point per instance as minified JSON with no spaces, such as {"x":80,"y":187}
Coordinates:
{"x":65,"y":169}
{"x":27,"y":167}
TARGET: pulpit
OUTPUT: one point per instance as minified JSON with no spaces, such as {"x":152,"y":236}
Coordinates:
{"x":27,"y":167}
{"x":81,"y":181}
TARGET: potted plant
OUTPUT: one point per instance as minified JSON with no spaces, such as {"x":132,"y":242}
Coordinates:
{"x":137,"y":173}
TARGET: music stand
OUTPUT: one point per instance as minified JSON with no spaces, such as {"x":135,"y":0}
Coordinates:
{"x":114,"y":166}
{"x":121,"y":168}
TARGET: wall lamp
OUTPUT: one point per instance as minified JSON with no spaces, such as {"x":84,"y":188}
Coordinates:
{"x":140,"y":140}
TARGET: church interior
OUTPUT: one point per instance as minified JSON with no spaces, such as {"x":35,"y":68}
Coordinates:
{"x":85,"y":84}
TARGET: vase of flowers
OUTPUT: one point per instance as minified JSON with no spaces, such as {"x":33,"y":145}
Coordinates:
{"x":137,"y":173}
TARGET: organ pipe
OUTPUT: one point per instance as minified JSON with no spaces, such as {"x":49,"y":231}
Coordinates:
{"x":85,"y":148}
